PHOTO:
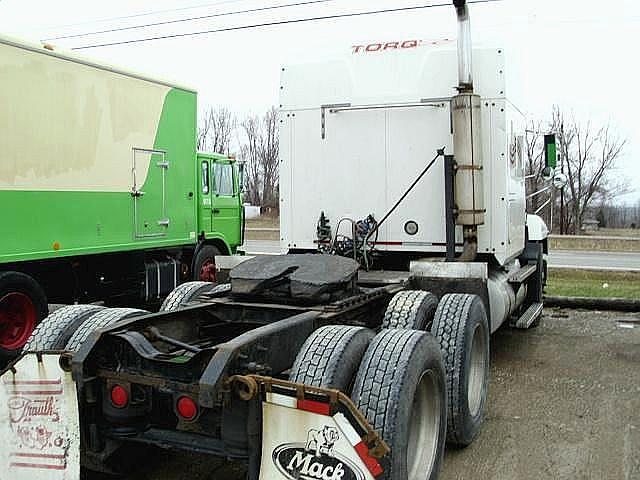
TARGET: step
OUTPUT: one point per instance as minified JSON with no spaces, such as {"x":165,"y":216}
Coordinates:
{"x":523,"y":273}
{"x":529,"y":316}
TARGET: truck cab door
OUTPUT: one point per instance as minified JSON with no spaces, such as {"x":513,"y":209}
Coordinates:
{"x":205,"y":194}
{"x":225,"y":209}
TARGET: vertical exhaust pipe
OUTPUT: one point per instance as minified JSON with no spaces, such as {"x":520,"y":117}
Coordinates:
{"x":465,"y":72}
{"x":467,"y":144}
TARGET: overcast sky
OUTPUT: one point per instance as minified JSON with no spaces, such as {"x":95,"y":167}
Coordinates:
{"x":580,"y":55}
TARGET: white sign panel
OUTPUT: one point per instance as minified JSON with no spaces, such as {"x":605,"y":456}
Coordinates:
{"x":39,"y":423}
{"x":297,"y":444}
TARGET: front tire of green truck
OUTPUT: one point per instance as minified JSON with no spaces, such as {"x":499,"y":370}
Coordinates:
{"x":204,"y":264}
{"x":23,"y":304}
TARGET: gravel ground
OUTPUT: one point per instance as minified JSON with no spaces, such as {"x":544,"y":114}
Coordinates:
{"x":564,"y":404}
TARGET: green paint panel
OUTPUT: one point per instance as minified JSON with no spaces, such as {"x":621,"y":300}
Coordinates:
{"x":45,"y":224}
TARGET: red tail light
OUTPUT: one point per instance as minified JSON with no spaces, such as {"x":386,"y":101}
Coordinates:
{"x":119,"y":396}
{"x":187,"y":409}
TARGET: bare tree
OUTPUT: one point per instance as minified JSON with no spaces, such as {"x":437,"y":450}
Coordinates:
{"x":250,"y":154}
{"x":269,"y":159}
{"x":216,"y":130}
{"x":588,"y":157}
{"x":534,"y":162}
{"x":260,"y":152}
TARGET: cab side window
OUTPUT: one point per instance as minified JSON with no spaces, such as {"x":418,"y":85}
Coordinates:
{"x":223,"y":179}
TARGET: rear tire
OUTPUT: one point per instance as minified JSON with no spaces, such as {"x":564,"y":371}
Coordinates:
{"x":23,"y":304}
{"x":204,"y":264}
{"x":99,"y":320}
{"x":54,"y":332}
{"x":411,"y":309}
{"x":183,"y":294}
{"x":462,"y":328}
{"x":400,"y":389}
{"x":330,"y":357}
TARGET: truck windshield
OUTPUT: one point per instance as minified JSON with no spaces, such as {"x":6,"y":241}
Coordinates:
{"x":223,"y":179}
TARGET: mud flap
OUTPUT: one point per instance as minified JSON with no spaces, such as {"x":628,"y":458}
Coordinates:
{"x":305,"y":439}
{"x":39,"y":421}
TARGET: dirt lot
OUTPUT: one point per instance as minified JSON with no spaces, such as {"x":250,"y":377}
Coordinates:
{"x":564,"y":404}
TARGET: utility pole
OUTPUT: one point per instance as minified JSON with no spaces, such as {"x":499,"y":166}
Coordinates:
{"x":562,"y":155}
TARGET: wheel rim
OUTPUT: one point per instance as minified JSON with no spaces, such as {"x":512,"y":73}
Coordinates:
{"x":477,"y":370}
{"x":424,"y":428}
{"x":17,"y":320}
{"x":208,"y":271}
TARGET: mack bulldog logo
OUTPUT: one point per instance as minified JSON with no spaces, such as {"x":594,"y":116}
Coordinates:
{"x":316,"y":459}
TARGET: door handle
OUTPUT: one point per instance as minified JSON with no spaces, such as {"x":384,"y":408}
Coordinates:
{"x":216,"y":210}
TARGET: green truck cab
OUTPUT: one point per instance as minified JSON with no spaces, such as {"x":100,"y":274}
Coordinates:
{"x":104,"y":195}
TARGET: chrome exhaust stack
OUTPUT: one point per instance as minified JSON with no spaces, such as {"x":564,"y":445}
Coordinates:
{"x":465,"y":71}
{"x":467,"y":146}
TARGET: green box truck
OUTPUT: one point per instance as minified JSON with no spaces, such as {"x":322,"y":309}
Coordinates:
{"x":103,"y":193}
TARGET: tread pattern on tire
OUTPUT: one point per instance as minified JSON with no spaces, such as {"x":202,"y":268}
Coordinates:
{"x":324,"y":353}
{"x":100,"y":320}
{"x":183,"y":294}
{"x":405,"y":306}
{"x":450,"y":332}
{"x":48,"y":332}
{"x":373,"y":387}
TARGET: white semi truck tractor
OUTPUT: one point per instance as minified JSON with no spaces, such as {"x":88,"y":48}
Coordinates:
{"x":363,"y":351}
{"x":394,"y":157}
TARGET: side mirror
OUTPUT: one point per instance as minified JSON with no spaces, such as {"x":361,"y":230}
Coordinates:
{"x":241,"y":176}
{"x":560,"y":180}
{"x":550,"y":151}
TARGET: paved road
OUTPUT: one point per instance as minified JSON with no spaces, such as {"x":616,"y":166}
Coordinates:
{"x":563,"y":404}
{"x":261,"y":246}
{"x":557,"y":258}
{"x":595,"y":260}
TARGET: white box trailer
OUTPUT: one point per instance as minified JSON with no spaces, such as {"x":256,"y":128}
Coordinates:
{"x":357,"y":131}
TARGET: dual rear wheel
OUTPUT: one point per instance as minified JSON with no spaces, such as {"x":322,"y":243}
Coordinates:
{"x":395,"y":378}
{"x":69,"y":327}
{"x":460,"y":325}
{"x":420,"y":382}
